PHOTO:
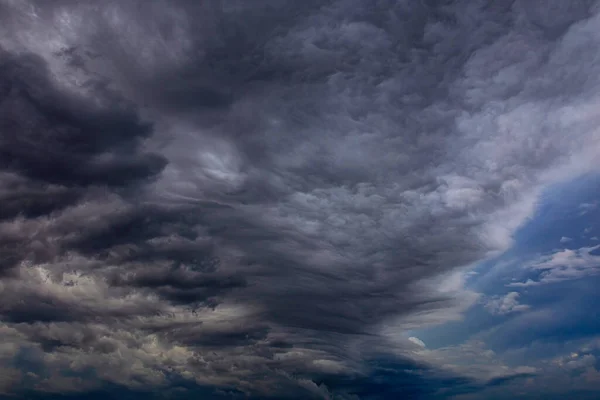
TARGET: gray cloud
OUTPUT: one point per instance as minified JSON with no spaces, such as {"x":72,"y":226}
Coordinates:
{"x":245,"y":197}
{"x":506,"y":304}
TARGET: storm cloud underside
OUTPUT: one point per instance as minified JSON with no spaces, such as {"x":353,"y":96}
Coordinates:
{"x":261,"y":197}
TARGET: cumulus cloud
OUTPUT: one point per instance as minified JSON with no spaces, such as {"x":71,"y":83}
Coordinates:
{"x":243,"y":197}
{"x":505,"y":304}
{"x":564,"y":265}
{"x":565,"y":239}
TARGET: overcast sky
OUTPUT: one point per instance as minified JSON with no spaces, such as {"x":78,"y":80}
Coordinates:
{"x":283,"y":199}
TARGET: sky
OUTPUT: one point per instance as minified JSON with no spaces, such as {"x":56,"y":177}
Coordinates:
{"x":317,"y":199}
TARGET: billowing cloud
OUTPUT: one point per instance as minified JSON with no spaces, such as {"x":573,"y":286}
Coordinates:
{"x":505,"y":304}
{"x":564,"y":265}
{"x":250,"y":198}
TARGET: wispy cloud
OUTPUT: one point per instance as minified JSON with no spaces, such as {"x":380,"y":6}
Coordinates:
{"x":585,"y":208}
{"x":417,"y":341}
{"x":565,"y":239}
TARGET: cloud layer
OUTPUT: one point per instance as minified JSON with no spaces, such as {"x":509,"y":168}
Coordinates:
{"x":251,"y":198}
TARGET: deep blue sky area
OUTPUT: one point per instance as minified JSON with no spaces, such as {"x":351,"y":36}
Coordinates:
{"x":560,"y":315}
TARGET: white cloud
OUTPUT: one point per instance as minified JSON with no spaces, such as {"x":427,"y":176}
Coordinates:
{"x":528,"y":282}
{"x":417,"y":341}
{"x":565,"y":239}
{"x":564,"y":265}
{"x":506,"y":304}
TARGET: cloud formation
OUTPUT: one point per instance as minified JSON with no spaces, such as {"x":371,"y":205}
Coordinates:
{"x":506,"y":304}
{"x":248,"y":198}
{"x":564,"y":265}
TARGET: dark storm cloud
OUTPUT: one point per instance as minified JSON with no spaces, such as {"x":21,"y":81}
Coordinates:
{"x":21,"y":196}
{"x":54,"y":139}
{"x":53,"y":145}
{"x":244,"y":196}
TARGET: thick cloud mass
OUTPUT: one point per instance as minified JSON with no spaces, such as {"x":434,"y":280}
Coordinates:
{"x":258,"y":197}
